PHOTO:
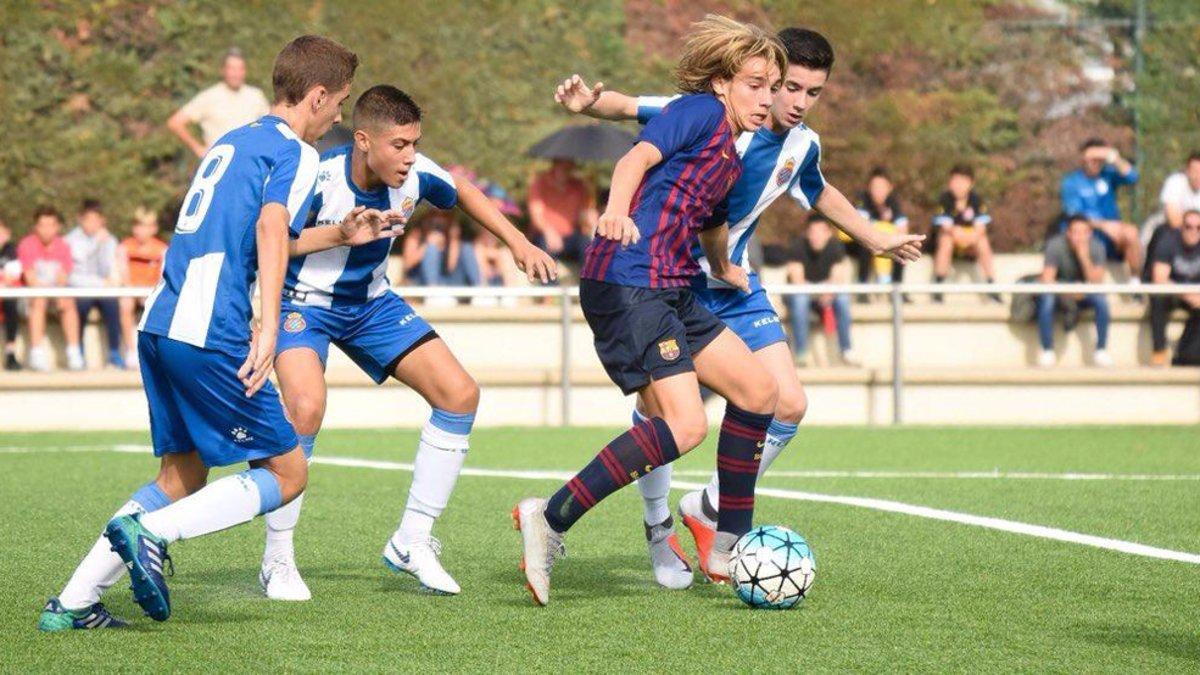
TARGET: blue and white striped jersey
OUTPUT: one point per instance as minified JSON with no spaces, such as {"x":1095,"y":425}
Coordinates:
{"x":772,"y":164}
{"x":211,"y":265}
{"x":351,"y":276}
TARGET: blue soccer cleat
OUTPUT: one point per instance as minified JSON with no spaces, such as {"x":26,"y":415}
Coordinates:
{"x":57,"y":618}
{"x":144,"y":554}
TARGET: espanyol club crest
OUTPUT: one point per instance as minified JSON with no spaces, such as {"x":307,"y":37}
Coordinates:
{"x":669,"y":349}
{"x":294,"y":322}
{"x":785,"y":173}
{"x":407,"y":206}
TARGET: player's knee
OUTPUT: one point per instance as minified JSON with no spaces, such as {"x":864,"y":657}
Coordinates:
{"x":466,"y":396}
{"x":688,"y":430}
{"x":307,"y":413}
{"x":791,"y":405}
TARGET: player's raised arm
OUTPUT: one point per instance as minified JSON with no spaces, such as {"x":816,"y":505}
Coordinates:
{"x":360,"y":226}
{"x":896,"y":245}
{"x":578,"y":97}
{"x":531,"y":260}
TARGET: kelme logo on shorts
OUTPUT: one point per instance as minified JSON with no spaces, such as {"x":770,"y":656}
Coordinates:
{"x":669,"y":349}
{"x":294,"y":322}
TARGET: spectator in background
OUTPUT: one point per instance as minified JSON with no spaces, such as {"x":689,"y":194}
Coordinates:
{"x":562,"y":211}
{"x":1091,"y":191}
{"x":46,"y":262}
{"x":1180,"y":194}
{"x":1176,"y":261}
{"x":141,"y":260}
{"x":94,"y":265}
{"x":878,"y":204}
{"x":1074,"y":256}
{"x":960,"y":229}
{"x":224,"y":106}
{"x":814,"y":259}
{"x":435,"y":253}
{"x":10,"y":275}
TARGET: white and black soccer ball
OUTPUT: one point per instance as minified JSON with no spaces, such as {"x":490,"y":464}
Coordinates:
{"x":772,"y":567}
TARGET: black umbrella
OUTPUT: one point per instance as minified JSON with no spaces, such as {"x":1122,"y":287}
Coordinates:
{"x":585,"y":143}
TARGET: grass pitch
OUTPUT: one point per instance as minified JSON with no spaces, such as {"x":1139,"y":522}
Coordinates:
{"x":893,"y":591}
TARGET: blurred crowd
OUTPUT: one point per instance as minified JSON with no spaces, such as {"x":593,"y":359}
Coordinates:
{"x":1084,"y":244}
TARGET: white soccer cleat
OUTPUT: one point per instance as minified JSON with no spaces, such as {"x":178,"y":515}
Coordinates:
{"x":1102,"y":359}
{"x":851,"y":358}
{"x":542,"y":546}
{"x":671,"y":568}
{"x":421,"y":559}
{"x":1046,"y":359}
{"x":280,"y":580}
{"x":39,"y":360}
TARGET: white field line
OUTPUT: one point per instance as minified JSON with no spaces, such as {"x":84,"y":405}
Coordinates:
{"x":1039,"y":531}
{"x":1016,"y":475}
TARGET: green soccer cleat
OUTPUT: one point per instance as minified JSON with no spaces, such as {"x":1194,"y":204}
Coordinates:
{"x":56,"y":618}
{"x":144,"y":554}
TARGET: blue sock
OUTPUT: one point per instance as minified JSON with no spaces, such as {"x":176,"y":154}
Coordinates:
{"x":455,"y":423}
{"x":151,"y":497}
{"x":268,"y":489}
{"x":306,"y":444}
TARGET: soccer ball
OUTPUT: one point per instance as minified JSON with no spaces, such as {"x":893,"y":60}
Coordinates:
{"x":772,"y":568}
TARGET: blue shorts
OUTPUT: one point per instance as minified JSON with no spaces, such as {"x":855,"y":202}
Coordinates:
{"x":198,"y":403}
{"x":749,"y":315}
{"x":375,"y":334}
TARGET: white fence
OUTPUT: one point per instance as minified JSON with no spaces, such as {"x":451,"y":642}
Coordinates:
{"x":568,"y":294}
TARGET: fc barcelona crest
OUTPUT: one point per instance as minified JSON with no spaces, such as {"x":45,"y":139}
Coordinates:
{"x":785,"y":173}
{"x":294,"y":322}
{"x":669,"y":349}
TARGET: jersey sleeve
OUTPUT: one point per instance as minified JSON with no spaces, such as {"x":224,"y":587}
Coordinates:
{"x":436,"y":185}
{"x":982,"y":217}
{"x":1072,"y":200}
{"x":719,"y":215}
{"x":1118,"y":178}
{"x":899,"y":218}
{"x":648,"y":107}
{"x":683,"y":124}
{"x":809,"y":183}
{"x":197,"y":107}
{"x":292,"y":182}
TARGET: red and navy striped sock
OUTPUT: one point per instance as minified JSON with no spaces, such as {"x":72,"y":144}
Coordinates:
{"x":634,"y":453}
{"x":739,"y":450}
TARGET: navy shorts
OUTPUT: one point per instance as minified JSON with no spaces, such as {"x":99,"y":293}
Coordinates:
{"x":749,"y":315}
{"x":645,"y":334}
{"x":198,"y":403}
{"x":375,"y":335}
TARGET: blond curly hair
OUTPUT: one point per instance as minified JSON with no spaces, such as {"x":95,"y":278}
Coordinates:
{"x":718,"y":47}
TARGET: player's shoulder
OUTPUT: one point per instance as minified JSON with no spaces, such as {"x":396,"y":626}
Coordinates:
{"x":424,"y":164}
{"x":805,"y":132}
{"x":696,"y":104}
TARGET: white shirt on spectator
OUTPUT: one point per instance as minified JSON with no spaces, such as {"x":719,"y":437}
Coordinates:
{"x":220,"y":109}
{"x":1178,"y":192}
{"x":94,"y":258}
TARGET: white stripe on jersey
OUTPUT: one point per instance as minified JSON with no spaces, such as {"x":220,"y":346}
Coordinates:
{"x":194,"y":307}
{"x":306,"y":173}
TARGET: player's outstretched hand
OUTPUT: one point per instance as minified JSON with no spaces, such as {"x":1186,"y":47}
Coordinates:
{"x":363,"y":225}
{"x":901,"y":247}
{"x":576,"y":96}
{"x":734,"y":275}
{"x":618,"y":228}
{"x":259,"y":362}
{"x":535,"y":263}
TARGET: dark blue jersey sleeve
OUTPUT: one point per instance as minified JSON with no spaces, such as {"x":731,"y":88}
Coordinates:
{"x":687,"y":122}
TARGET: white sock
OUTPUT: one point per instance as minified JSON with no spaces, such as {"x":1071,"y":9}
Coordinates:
{"x":779,"y":434}
{"x":440,"y":457}
{"x":281,"y":530}
{"x":99,"y":570}
{"x":654,"y":486}
{"x":220,"y":505}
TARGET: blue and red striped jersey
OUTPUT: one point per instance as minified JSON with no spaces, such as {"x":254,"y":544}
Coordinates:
{"x":700,"y":163}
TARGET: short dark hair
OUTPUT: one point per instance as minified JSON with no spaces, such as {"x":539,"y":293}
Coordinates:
{"x":963,"y":170}
{"x":91,"y":205}
{"x":311,"y":61}
{"x":817,"y":217}
{"x":1077,"y":217}
{"x":385,"y":104}
{"x":1093,"y":142}
{"x":807,"y":48}
{"x":1194,"y":157}
{"x":44,"y":211}
{"x":879,"y":172}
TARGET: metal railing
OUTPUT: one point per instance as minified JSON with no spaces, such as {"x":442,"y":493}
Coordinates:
{"x":567,"y":294}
